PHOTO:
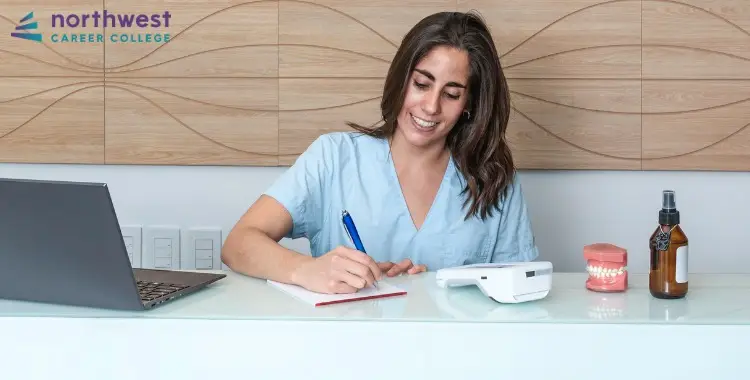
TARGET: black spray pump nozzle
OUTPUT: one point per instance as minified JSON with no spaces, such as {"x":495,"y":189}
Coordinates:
{"x":667,"y":200}
{"x":668,"y":215}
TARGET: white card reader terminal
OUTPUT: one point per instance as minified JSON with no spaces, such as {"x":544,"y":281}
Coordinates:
{"x":513,"y":282}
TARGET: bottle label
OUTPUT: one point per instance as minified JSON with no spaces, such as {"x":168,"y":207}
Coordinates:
{"x":681,"y":265}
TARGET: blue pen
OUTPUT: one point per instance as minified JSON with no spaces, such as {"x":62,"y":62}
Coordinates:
{"x":351,"y":230}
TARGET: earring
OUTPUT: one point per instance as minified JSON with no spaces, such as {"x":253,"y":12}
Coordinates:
{"x":468,"y":114}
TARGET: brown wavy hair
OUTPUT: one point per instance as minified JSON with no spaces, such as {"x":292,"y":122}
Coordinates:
{"x":477,"y":142}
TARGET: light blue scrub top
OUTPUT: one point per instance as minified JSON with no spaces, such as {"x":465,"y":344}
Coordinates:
{"x":352,"y":171}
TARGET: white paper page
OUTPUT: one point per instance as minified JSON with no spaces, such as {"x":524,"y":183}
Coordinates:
{"x":313,"y":298}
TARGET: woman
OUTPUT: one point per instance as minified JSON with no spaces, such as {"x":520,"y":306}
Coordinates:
{"x":433,"y":187}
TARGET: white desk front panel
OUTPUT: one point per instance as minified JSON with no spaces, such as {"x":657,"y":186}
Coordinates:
{"x":241,"y":328}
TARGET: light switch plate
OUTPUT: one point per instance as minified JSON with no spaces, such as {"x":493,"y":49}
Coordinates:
{"x":201,"y":248}
{"x":161,"y":247}
{"x":131,"y":235}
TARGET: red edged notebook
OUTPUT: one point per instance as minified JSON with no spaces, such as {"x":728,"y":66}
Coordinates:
{"x":319,"y":299}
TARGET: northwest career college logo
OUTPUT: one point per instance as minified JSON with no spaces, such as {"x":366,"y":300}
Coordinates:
{"x":22,"y":31}
{"x":124,"y":27}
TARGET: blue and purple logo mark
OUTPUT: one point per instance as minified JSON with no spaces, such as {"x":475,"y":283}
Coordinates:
{"x":150,"y":23}
{"x":23,"y":30}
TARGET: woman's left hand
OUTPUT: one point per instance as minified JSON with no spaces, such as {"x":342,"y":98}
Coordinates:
{"x":405,"y":266}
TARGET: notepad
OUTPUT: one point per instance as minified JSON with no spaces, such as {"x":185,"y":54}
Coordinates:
{"x":321,"y":299}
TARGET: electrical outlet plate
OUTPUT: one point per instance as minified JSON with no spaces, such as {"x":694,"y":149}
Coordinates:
{"x":161,"y":247}
{"x":201,"y":248}
{"x":131,"y":235}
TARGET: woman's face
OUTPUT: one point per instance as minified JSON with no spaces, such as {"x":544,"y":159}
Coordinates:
{"x":435,"y":97}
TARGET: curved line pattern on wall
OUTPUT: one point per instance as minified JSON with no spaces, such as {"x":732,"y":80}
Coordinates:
{"x":232,"y":7}
{"x":617,"y":84}
{"x":29,"y":57}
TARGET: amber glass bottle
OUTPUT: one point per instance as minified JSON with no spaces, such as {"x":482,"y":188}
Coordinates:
{"x":668,"y":275}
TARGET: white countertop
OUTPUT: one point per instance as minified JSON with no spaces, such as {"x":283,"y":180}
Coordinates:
{"x":712,"y":299}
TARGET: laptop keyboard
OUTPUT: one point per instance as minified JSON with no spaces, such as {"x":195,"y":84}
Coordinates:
{"x":152,"y":290}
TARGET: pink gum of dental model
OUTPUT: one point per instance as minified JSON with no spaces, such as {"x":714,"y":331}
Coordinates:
{"x":607,"y":267}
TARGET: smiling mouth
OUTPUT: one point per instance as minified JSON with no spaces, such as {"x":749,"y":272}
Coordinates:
{"x":423,"y":124}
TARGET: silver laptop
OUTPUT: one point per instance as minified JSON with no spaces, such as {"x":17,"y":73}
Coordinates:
{"x":60,"y":242}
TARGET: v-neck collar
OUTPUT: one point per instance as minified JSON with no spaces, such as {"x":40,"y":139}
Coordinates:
{"x":388,"y":158}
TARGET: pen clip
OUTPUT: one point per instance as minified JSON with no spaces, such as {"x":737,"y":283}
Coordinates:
{"x":344,"y":213}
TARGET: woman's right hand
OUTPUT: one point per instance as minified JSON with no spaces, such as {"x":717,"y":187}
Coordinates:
{"x":342,"y":270}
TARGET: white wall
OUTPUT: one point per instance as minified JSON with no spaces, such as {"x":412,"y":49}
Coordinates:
{"x":569,"y":208}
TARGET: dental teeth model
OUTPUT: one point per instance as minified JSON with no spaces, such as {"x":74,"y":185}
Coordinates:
{"x":607,"y":267}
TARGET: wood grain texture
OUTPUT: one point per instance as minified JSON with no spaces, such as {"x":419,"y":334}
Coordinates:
{"x":52,"y":120}
{"x":53,"y":56}
{"x":191,"y":121}
{"x":696,"y":85}
{"x":595,"y":84}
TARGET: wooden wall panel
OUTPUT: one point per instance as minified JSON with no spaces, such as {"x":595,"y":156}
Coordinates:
{"x":574,"y":72}
{"x":51,"y":96}
{"x":190,"y":121}
{"x":51,"y":120}
{"x":208,"y":96}
{"x":696,"y":84}
{"x":27,"y":58}
{"x":596,"y":84}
